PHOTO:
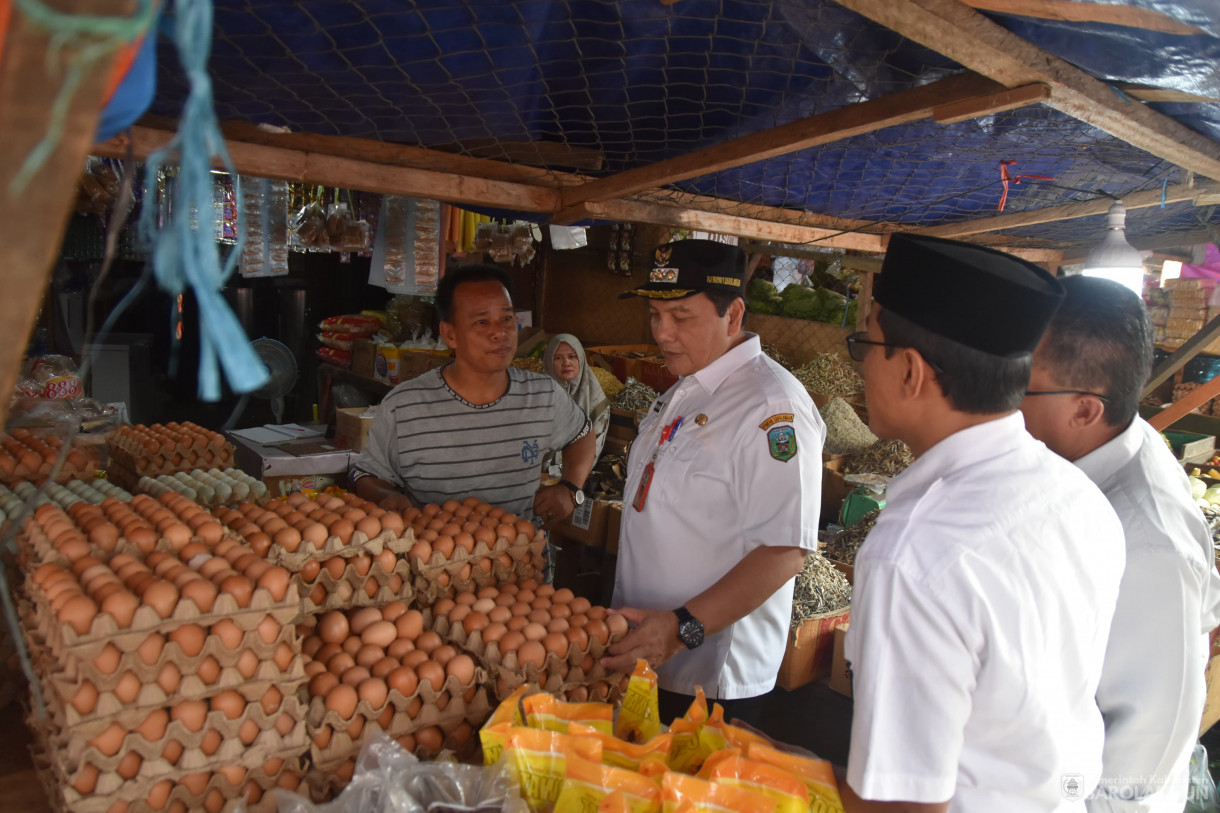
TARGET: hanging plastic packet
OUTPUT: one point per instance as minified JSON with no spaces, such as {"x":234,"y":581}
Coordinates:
{"x":544,"y":711}
{"x":309,"y":225}
{"x":689,"y":750}
{"x":428,"y":248}
{"x":586,"y":784}
{"x":622,"y":754}
{"x":817,"y":774}
{"x":718,"y":734}
{"x":494,"y":733}
{"x":788,"y":791}
{"x":686,"y":793}
{"x":264,"y":205}
{"x":539,"y":760}
{"x":639,"y":720}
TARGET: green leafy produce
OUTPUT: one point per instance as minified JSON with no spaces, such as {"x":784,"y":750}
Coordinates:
{"x":761,"y":297}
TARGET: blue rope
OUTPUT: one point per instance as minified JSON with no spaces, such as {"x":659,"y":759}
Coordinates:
{"x":184,"y":251}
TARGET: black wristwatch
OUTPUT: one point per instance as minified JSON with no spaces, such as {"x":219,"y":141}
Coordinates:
{"x":577,"y":494}
{"x":690,"y":629}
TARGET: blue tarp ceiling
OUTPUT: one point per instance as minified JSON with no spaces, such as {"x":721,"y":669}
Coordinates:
{"x":638,"y":81}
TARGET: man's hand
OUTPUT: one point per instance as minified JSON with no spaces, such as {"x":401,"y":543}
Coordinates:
{"x":553,"y":504}
{"x":396,"y":502}
{"x":654,"y":639}
{"x":382,"y":492}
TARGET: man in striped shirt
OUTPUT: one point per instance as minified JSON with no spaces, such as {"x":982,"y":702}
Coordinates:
{"x":478,"y":427}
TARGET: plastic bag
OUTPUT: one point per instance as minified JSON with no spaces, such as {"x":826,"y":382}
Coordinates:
{"x":388,"y":779}
{"x":1202,"y":796}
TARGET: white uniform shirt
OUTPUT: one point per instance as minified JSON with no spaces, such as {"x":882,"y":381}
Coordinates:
{"x":980,"y":614}
{"x":738,"y":482}
{"x":1152,"y":685}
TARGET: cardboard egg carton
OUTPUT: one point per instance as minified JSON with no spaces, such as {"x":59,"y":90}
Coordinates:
{"x":34,"y":548}
{"x":509,"y":673}
{"x":240,"y":487}
{"x":125,"y":470}
{"x":527,"y":559}
{"x":351,"y":590}
{"x":357,"y":545}
{"x":80,"y":464}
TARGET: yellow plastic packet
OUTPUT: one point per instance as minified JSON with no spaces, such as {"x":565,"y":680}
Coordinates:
{"x":620,"y":754}
{"x":718,"y":734}
{"x":689,"y":750}
{"x":587,"y":784}
{"x":679,"y":790}
{"x":709,"y":764}
{"x":653,"y":767}
{"x":547,"y":712}
{"x":788,"y":791}
{"x":639,"y":720}
{"x":817,"y":774}
{"x":494,"y":732}
{"x":614,"y":803}
{"x":539,"y":760}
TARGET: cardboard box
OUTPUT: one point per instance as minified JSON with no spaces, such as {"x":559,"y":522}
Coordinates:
{"x":840,"y":673}
{"x":364,"y":357}
{"x":529,"y":338}
{"x":352,"y":425}
{"x":622,"y":425}
{"x":412,"y":363}
{"x":587,"y":525}
{"x":614,"y":357}
{"x":292,"y":466}
{"x":810,"y":649}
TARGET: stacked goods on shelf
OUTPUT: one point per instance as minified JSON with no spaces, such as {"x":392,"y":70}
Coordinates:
{"x":1187,"y":311}
{"x":168,"y":673}
{"x":342,"y":552}
{"x":532,"y":633}
{"x":385,"y":669}
{"x":139,"y":451}
{"x":467,"y":545}
{"x":211,"y":488}
{"x":28,"y":455}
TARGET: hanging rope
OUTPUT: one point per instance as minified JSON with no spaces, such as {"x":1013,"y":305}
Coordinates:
{"x":184,"y":251}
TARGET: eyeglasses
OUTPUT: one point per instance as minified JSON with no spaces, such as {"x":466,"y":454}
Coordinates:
{"x":857,"y":348}
{"x":1097,"y":395}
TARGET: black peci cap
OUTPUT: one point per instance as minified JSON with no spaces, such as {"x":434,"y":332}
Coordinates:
{"x":687,"y":267}
{"x":985,"y":299}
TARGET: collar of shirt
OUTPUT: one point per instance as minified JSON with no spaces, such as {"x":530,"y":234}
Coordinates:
{"x":1106,"y":461}
{"x":714,"y":374}
{"x":959,"y":451}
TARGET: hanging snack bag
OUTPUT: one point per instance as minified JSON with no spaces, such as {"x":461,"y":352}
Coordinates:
{"x":682,"y":792}
{"x":587,"y":784}
{"x":539,"y":759}
{"x":550,"y":714}
{"x":353,"y":323}
{"x":494,"y":733}
{"x":639,"y":720}
{"x":817,"y":774}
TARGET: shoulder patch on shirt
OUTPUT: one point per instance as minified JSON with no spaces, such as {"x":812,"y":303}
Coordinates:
{"x":783,"y":417}
{"x":781,"y":442}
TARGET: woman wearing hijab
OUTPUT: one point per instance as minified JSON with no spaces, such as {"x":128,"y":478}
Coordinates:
{"x":564,"y":360}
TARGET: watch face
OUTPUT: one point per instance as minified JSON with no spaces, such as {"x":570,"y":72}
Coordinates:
{"x":579,"y":496}
{"x":691,"y":633}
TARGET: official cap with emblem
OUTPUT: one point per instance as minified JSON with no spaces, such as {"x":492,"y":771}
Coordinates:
{"x":985,"y":299}
{"x":687,"y":267}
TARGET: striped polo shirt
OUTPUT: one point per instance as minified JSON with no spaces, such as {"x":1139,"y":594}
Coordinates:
{"x":436,"y":446}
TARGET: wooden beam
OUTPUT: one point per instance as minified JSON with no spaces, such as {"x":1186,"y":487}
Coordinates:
{"x":967,"y":37}
{"x":1068,"y":211}
{"x":777,"y":214}
{"x":1161,"y":373}
{"x":1188,"y":403}
{"x":33,"y":67}
{"x":866,"y":301}
{"x":1150,"y":94}
{"x":990,"y":103}
{"x":865,"y":117}
{"x":683,"y":218}
{"x":1077,"y":12}
{"x":347,"y":173}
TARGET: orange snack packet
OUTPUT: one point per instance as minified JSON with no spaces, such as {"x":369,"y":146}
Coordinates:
{"x":494,"y":732}
{"x":539,"y":759}
{"x":547,"y":712}
{"x":620,"y":754}
{"x":689,"y":750}
{"x":686,"y":793}
{"x":639,"y":720}
{"x":817,"y":774}
{"x":787,"y":790}
{"x":716,"y":734}
{"x":614,"y":803}
{"x":587,"y":784}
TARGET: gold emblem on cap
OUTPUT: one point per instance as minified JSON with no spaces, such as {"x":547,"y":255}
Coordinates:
{"x":663,"y":275}
{"x":701,"y":419}
{"x":662,"y":255}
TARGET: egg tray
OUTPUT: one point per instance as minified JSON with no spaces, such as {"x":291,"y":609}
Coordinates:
{"x":63,"y":797}
{"x":36,"y":549}
{"x":71,"y":752}
{"x":509,"y":673}
{"x":318,"y":715}
{"x":125,"y":471}
{"x":338,"y":599}
{"x":64,"y":641}
{"x":527,"y":561}
{"x":125,"y":442}
{"x":334,"y":546}
{"x":67,"y":473}
{"x":151,"y":489}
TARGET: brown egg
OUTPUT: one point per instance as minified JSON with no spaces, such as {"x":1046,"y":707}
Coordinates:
{"x":461,"y":667}
{"x":208,"y":670}
{"x":475,"y":621}
{"x":107,"y":660}
{"x":494,"y":632}
{"x":558,"y":625}
{"x":617,"y":625}
{"x":335,"y":566}
{"x":287,"y":538}
{"x":511,"y":641}
{"x":444,"y":546}
{"x":379,"y":633}
{"x":190,"y":638}
{"x":534,"y":631}
{"x":598,"y":631}
{"x":414,"y":658}
{"x":343,"y":529}
{"x":154,"y":725}
{"x":158,"y":795}
{"x":579,"y":605}
{"x":229,"y":633}
{"x":238,"y":586}
{"x":410,"y":625}
{"x":354,"y":676}
{"x":321,"y":684}
{"x":403,"y":680}
{"x":283,"y":657}
{"x":162,"y":597}
{"x":85,"y":698}
{"x":531,"y":653}
{"x":150,"y":650}
{"x":432,"y":673}
{"x":275,"y":581}
{"x":578,"y":637}
{"x":374,"y":691}
{"x":342,"y":700}
{"x":384,"y":667}
{"x":310,"y":570}
{"x":201,"y":592}
{"x":430,"y":740}
{"x":400,"y":647}
{"x":211,"y":741}
{"x":340,"y":663}
{"x":517,"y":623}
{"x":143,"y":537}
{"x":334,"y":628}
{"x":392,"y":522}
{"x":247,"y":664}
{"x":271,"y":700}
{"x":129,"y":765}
{"x":557,"y":644}
{"x":128,"y":688}
{"x":86,"y":778}
{"x":596,"y":612}
{"x":443,"y":607}
{"x":539,"y":616}
{"x":361,"y":618}
{"x":394,"y":610}
{"x":458,"y":614}
{"x":78,"y":612}
{"x":368,"y":526}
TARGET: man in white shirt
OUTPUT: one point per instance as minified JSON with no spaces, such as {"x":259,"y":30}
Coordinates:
{"x":1082,"y":402}
{"x":983,"y":595}
{"x":722,"y":494}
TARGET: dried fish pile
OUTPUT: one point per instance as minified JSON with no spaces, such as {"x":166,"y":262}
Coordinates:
{"x":843,"y":548}
{"x":820,"y":588}
{"x":830,"y":374}
{"x":888,"y":457}
{"x":772,"y":352}
{"x":533,"y":365}
{"x":634,"y":397}
{"x":610,"y":383}
{"x":845,"y":432}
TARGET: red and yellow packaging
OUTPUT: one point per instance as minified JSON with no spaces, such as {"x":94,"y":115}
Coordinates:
{"x":787,"y":790}
{"x":547,"y":712}
{"x":680,"y":792}
{"x":817,"y":774}
{"x":494,"y":733}
{"x":620,"y":754}
{"x":639,"y":720}
{"x":539,"y":759}
{"x":587,"y":784}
